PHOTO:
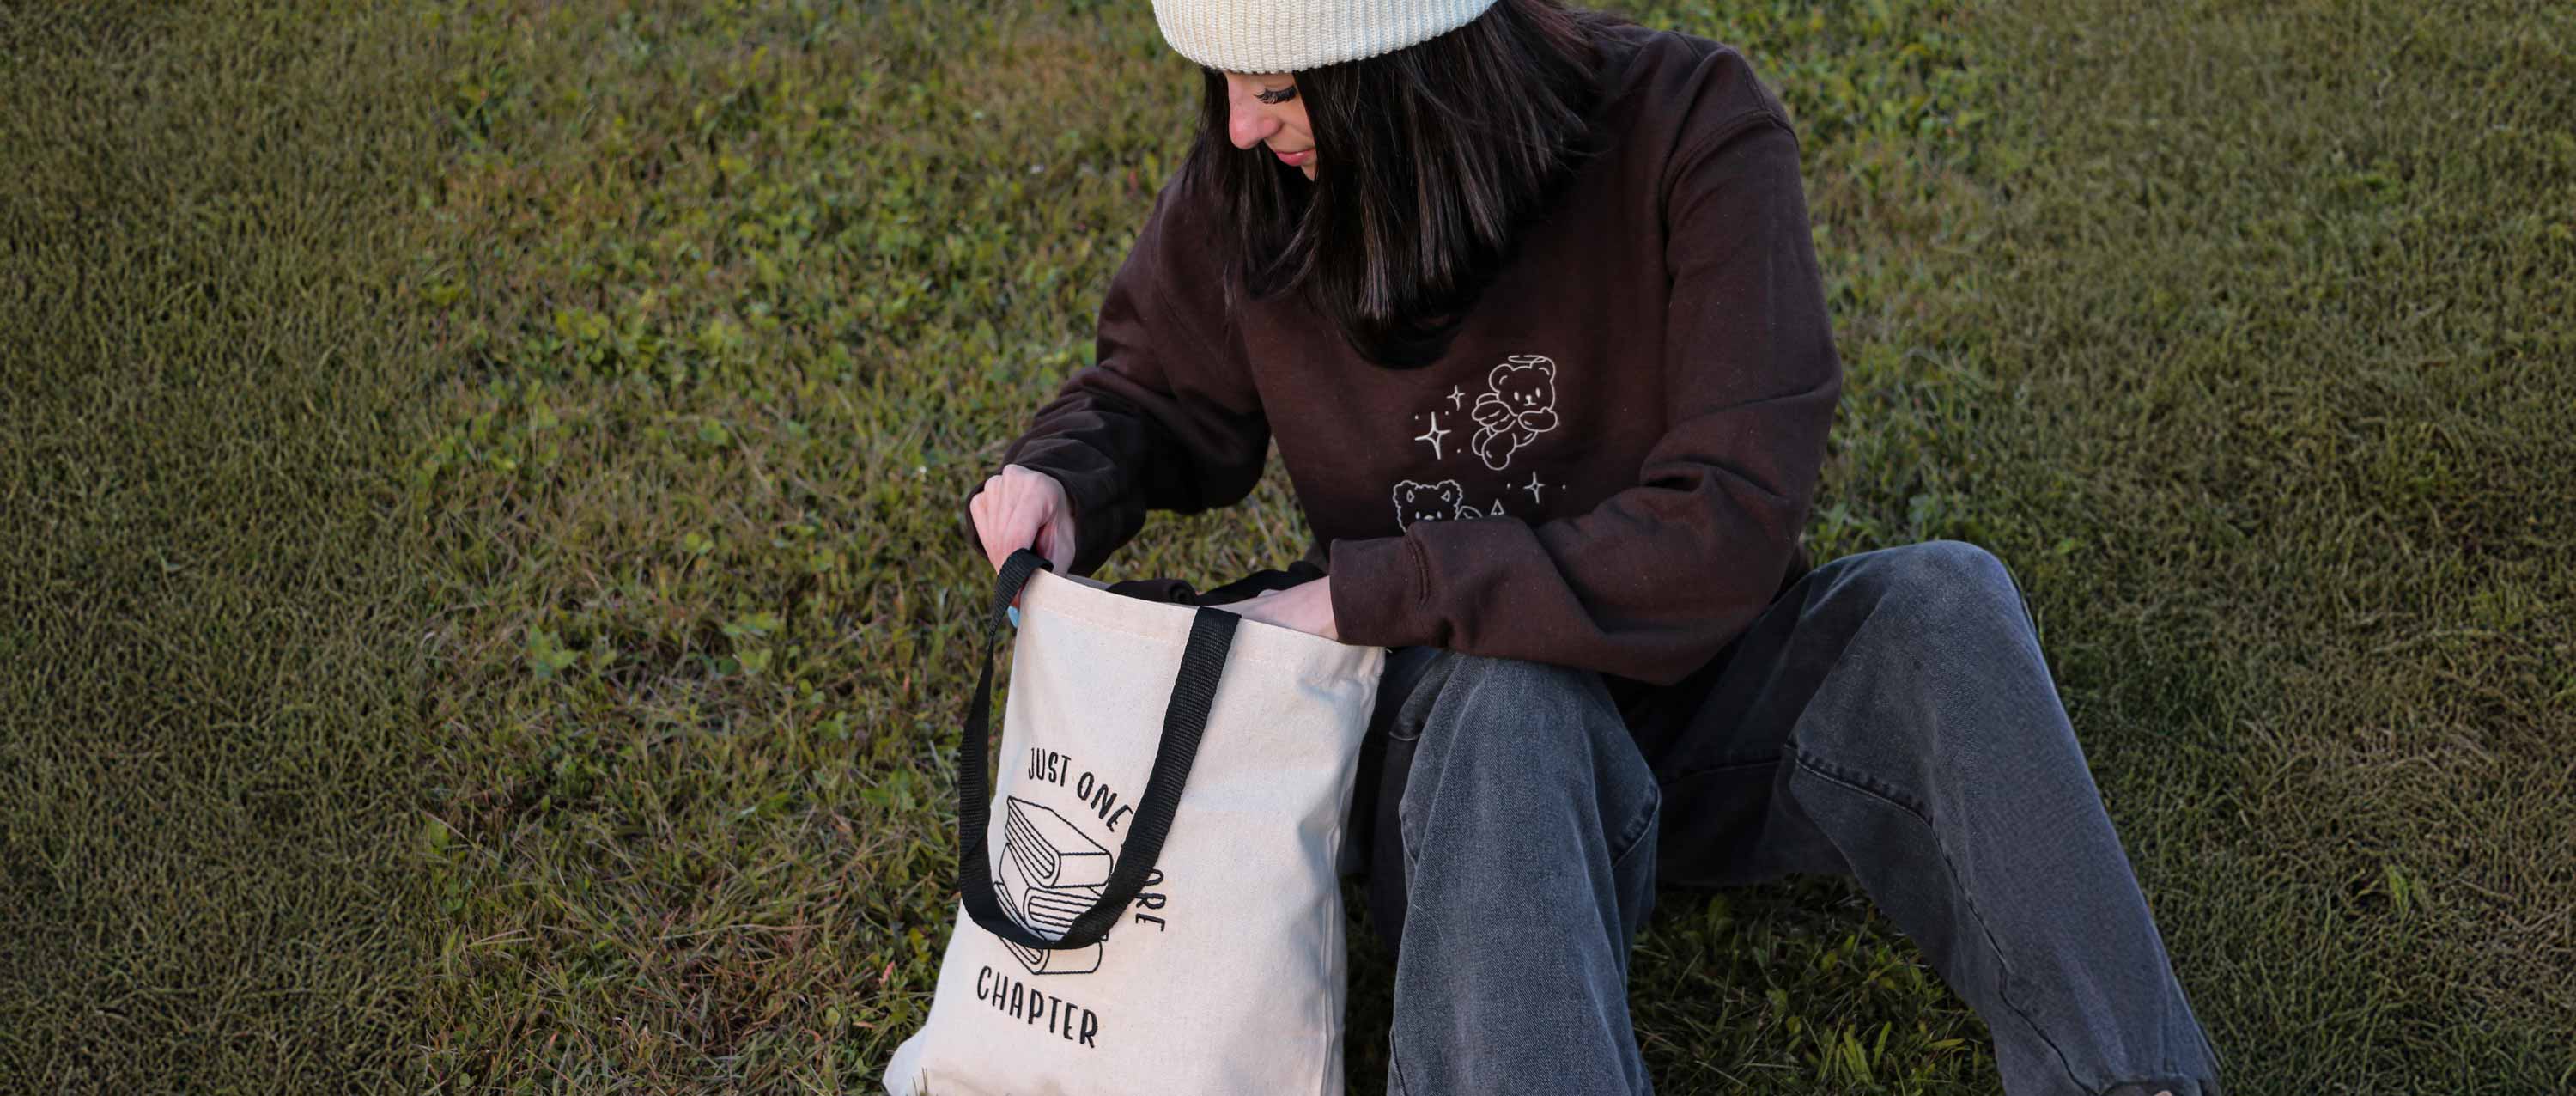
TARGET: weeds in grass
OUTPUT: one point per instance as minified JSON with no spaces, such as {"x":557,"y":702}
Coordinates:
{"x":488,"y":481}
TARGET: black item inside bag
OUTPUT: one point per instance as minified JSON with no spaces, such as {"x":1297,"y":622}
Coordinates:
{"x":1249,"y":586}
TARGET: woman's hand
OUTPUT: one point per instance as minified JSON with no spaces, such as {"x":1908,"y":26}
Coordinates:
{"x":1306,"y":607}
{"x":1022,"y":508}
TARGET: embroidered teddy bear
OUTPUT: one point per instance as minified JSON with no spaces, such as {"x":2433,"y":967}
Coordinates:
{"x":1521,"y":406}
{"x":1430,"y":502}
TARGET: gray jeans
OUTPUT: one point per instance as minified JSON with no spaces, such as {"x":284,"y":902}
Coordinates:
{"x":1889,"y":717}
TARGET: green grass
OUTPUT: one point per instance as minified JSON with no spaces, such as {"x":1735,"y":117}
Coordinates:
{"x":211,"y":613}
{"x":487,"y":611}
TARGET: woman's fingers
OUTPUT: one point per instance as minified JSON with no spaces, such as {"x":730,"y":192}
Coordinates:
{"x":1020,"y":508}
{"x":1056,"y":547}
{"x":1060,"y":542}
{"x":980,"y":508}
{"x":998,"y":522}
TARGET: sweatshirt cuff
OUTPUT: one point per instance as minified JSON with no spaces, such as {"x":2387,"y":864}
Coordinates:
{"x":1101,"y":521}
{"x":1380,"y":592}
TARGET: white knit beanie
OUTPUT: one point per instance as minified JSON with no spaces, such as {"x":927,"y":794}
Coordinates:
{"x":1295,"y":35}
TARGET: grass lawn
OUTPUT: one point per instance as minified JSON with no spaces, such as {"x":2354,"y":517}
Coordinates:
{"x":210,"y":610}
{"x":486,"y":611}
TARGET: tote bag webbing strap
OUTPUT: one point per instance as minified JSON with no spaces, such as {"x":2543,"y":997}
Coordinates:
{"x":1184,"y":719}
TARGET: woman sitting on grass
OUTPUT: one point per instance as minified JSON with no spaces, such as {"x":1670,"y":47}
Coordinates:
{"x":1526,"y":297}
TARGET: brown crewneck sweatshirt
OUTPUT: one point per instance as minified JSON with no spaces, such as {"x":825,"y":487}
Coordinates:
{"x":1610,"y":466}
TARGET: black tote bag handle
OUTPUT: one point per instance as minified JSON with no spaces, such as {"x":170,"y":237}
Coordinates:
{"x":1184,"y":720}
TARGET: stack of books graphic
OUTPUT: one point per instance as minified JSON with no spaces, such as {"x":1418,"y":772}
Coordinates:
{"x":1051,"y":873}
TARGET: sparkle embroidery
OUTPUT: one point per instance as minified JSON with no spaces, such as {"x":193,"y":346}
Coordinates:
{"x":1520,"y":406}
{"x":1434,"y":435}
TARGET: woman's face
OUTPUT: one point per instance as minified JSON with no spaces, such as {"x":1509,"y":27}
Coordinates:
{"x":1264,"y":110}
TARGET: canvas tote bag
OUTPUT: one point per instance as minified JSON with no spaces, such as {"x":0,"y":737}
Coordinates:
{"x":1150,"y":900}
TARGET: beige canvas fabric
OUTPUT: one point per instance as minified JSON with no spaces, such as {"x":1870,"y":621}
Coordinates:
{"x":1226,"y":975}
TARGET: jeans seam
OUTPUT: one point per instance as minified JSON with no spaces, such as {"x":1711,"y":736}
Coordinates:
{"x":1723,"y":766}
{"x":2028,"y":614}
{"x":1644,"y":824}
{"x":1855,"y":782}
{"x":1861,"y":782}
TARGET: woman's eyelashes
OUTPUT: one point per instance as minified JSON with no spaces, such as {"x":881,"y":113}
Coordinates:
{"x":1276,"y":96}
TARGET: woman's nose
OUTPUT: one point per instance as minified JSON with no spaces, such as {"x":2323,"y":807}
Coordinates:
{"x":1248,"y":124}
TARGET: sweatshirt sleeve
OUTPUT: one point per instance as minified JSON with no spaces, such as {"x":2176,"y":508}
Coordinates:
{"x":1658,"y":578}
{"x":1167,"y":417}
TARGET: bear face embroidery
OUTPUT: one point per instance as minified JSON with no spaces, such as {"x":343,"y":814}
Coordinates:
{"x":1520,"y":406}
{"x":1428,"y":502}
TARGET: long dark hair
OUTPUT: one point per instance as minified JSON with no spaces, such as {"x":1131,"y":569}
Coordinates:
{"x":1430,"y":161}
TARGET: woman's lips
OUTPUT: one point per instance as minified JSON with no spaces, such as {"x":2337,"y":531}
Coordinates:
{"x":1294,"y":159}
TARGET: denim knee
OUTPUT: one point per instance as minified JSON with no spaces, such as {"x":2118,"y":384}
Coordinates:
{"x":1532,"y":730}
{"x":1938,"y":578}
{"x":1519,"y":709}
{"x":1930,"y":625}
